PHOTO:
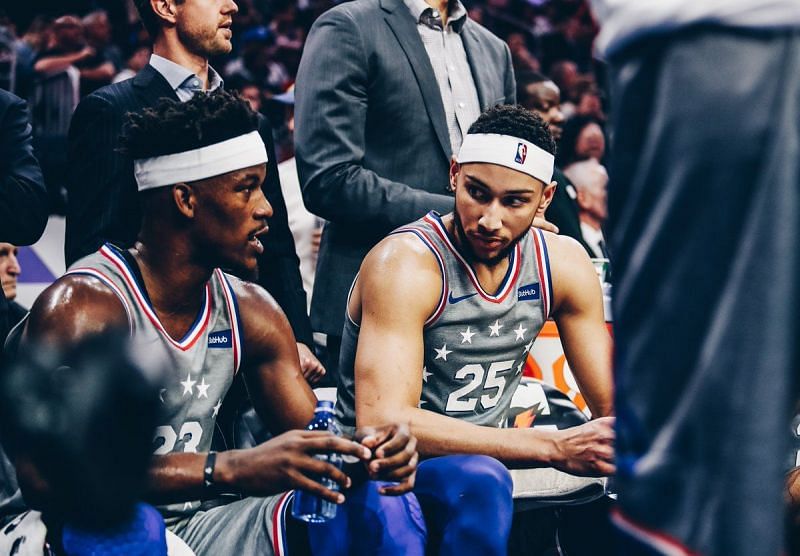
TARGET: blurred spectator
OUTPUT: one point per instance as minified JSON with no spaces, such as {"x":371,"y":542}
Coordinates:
{"x":66,"y":46}
{"x":521,"y":56}
{"x":78,"y":427}
{"x":23,"y":200}
{"x":564,"y":73}
{"x":582,"y":138}
{"x":9,"y":272}
{"x":591,"y":180}
{"x":588,"y":99}
{"x":539,"y":94}
{"x":252,"y":94}
{"x":56,"y":92}
{"x":135,"y":64}
{"x":257,"y":63}
{"x":107,"y":60}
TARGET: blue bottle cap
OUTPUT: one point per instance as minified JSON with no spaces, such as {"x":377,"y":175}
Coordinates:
{"x":324,"y":405}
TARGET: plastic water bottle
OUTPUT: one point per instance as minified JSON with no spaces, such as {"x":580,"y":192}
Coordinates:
{"x":310,"y":507}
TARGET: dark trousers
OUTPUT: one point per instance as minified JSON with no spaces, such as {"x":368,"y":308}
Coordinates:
{"x":704,"y":223}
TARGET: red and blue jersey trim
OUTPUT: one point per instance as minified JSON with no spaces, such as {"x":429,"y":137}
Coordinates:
{"x":110,"y":283}
{"x":236,"y":321}
{"x":196,"y":331}
{"x":543,"y":267}
{"x":655,"y":540}
{"x":423,"y":237}
{"x":509,"y":280}
{"x":280,"y":543}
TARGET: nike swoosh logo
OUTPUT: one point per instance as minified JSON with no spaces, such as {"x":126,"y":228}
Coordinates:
{"x":454,"y":300}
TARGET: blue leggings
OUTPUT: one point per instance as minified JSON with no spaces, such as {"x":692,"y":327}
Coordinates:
{"x":461,"y":505}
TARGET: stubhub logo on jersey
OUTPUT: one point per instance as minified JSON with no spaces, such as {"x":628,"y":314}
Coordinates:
{"x":528,"y":293}
{"x":221,"y":339}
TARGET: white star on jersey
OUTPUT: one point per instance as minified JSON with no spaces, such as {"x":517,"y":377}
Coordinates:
{"x":520,"y":332}
{"x":188,"y":384}
{"x":425,"y":374}
{"x":202,"y":389}
{"x":528,"y":346}
{"x":495,"y":328}
{"x":520,"y":366}
{"x":442,"y":353}
{"x":216,"y":408}
{"x":466,"y":336}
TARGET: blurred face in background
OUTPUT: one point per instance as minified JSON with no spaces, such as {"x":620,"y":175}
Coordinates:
{"x":252,"y":94}
{"x":544,"y":98}
{"x":591,"y":142}
{"x":68,"y":34}
{"x":9,"y":269}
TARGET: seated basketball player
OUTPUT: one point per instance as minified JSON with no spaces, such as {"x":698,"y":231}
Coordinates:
{"x":445,"y":310}
{"x":199,"y":168}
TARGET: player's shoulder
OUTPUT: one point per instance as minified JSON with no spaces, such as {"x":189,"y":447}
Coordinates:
{"x":252,"y":300}
{"x":562,"y":247}
{"x":400,"y":250}
{"x":77,"y":304}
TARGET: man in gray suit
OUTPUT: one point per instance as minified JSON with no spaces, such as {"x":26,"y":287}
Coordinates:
{"x":385,"y":91}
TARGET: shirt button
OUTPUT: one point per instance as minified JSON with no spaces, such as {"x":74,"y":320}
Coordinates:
{"x":461,"y":105}
{"x":435,"y":13}
{"x":452,"y":67}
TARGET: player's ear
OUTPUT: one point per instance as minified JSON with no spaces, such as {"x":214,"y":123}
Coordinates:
{"x":184,"y":198}
{"x":454,"y":168}
{"x":547,"y":196}
{"x":164,"y":9}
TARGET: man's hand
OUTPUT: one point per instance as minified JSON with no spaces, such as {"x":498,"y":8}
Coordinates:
{"x":395,"y":456}
{"x":287,"y":462}
{"x":587,"y":449}
{"x":311,"y":367}
{"x":541,"y":223}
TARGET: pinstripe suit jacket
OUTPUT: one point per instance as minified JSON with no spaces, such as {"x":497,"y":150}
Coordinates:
{"x":102,"y":196}
{"x":371,"y":139}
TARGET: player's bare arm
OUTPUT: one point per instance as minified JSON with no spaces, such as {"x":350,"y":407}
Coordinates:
{"x":578,"y":313}
{"x":284,"y":400}
{"x":78,"y":306}
{"x":397,"y":290}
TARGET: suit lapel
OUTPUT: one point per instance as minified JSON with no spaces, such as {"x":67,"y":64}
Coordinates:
{"x":150,"y":86}
{"x":474,"y":51}
{"x":405,"y":30}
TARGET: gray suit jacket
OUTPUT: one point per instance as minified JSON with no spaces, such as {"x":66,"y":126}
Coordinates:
{"x":371,"y":137}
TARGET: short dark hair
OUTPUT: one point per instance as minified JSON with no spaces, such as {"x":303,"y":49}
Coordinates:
{"x":84,"y":416}
{"x":173,"y":127}
{"x":508,"y":119}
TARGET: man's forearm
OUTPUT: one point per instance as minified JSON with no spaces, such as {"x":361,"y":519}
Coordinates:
{"x":439,"y":435}
{"x":175,"y":478}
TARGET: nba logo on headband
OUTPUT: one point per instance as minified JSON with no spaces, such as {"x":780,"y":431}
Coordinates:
{"x":522,"y":152}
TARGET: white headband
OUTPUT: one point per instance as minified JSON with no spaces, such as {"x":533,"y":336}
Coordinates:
{"x":508,"y":151}
{"x":197,"y":164}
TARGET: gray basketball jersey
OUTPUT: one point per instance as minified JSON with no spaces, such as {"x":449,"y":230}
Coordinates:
{"x":202,"y":364}
{"x":476,"y":342}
